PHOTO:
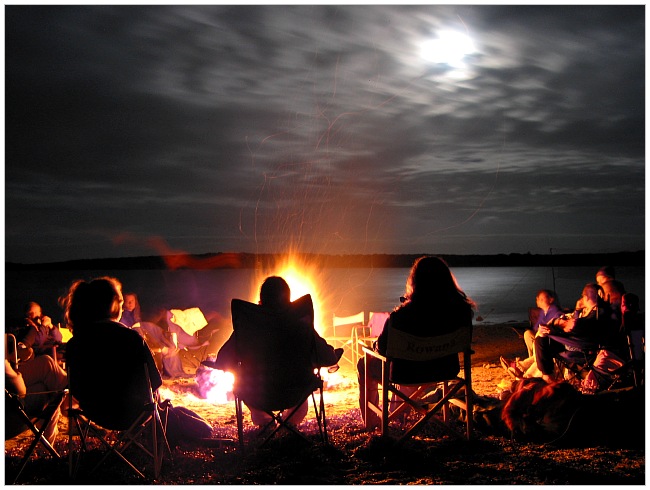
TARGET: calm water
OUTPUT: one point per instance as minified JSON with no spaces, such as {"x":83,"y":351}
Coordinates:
{"x":503,"y":294}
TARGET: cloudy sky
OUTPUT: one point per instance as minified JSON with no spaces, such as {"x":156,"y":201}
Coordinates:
{"x":327,"y":129}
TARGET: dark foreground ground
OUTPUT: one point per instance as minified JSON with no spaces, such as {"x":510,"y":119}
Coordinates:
{"x":599,"y":448}
{"x":356,"y":458}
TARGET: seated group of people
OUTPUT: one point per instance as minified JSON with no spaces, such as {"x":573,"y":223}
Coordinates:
{"x":433,"y":304}
{"x":36,"y":375}
{"x":178,"y":339}
{"x":100,"y":317}
{"x":602,"y":319}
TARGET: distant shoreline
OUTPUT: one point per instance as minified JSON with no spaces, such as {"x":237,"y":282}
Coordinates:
{"x":251,"y":261}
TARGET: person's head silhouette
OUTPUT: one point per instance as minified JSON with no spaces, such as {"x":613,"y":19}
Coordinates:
{"x":275,"y":293}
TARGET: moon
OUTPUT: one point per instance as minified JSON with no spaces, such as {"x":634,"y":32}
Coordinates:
{"x":450,"y":48}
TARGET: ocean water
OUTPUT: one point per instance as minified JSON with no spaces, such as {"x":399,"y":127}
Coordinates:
{"x":503,"y":294}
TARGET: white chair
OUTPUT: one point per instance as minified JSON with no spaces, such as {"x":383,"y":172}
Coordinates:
{"x":346,"y":330}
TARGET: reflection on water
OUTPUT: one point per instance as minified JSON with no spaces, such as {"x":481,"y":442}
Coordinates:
{"x":503,"y":293}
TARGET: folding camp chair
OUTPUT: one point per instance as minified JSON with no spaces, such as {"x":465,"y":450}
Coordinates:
{"x":406,"y":347}
{"x":580,"y":356}
{"x":577,"y":359}
{"x":345,"y":332}
{"x":37,"y":424}
{"x":274,"y":365}
{"x":18,"y":421}
{"x":366,"y":335}
{"x":134,"y":416}
{"x":636,"y":343}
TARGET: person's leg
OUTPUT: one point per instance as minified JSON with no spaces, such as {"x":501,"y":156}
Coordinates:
{"x":52,"y":430}
{"x":372,"y":388}
{"x":546,"y":349}
{"x":172,"y":365}
{"x":529,"y":339}
{"x":299,"y":415}
{"x":42,"y":373}
{"x":43,"y":370}
{"x":259,"y":417}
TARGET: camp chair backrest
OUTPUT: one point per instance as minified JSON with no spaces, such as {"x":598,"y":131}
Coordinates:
{"x":376,"y":322}
{"x":107,"y":378}
{"x":356,"y":319}
{"x":406,"y":349}
{"x":274,"y":353}
{"x":402,"y":345}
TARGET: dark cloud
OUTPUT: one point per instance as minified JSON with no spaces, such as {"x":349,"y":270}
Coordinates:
{"x":257,"y":128}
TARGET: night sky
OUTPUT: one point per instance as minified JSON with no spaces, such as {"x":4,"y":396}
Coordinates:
{"x":326,"y":129}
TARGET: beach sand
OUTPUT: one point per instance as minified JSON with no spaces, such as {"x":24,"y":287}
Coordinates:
{"x":356,"y":456}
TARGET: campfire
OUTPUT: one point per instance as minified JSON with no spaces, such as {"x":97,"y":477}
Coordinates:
{"x":215,"y":385}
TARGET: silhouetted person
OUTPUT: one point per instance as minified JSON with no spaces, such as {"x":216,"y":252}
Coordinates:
{"x":434,"y":304}
{"x":275,"y":296}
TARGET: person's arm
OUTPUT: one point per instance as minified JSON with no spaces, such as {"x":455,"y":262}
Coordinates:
{"x":154,"y":374}
{"x":324,"y":353}
{"x":29,"y":337}
{"x":14,"y":380}
{"x":54,"y":333}
{"x":226,"y":357}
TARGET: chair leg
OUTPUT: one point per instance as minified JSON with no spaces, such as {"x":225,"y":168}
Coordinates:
{"x":164,"y":444}
{"x":325,"y":437}
{"x":48,"y":417}
{"x":445,"y":407}
{"x":157,"y":464}
{"x":319,"y":411}
{"x":469,"y":394}
{"x":431,"y":412}
{"x":240,"y":422}
{"x":318,"y":416}
{"x":384,"y":399}
{"x":38,"y":437}
{"x":120,"y":445}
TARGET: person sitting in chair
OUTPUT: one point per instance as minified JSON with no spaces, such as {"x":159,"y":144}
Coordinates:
{"x":131,"y":310}
{"x":434,"y":304}
{"x":592,"y":322}
{"x":38,"y":332}
{"x":34,"y":381}
{"x":612,"y":290}
{"x":548,"y":309}
{"x":546,"y":301}
{"x":275,"y":296}
{"x":104,"y":351}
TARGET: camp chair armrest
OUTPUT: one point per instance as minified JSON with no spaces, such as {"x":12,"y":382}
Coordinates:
{"x":373,"y":353}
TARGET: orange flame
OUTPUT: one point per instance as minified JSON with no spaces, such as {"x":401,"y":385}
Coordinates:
{"x":303,"y":278}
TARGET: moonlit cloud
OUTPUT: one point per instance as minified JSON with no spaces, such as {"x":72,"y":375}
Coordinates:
{"x":256,"y":128}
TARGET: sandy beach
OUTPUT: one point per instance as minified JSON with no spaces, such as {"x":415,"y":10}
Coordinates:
{"x":357,"y":457}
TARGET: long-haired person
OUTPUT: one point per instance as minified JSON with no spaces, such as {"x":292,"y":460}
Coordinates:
{"x":433,"y":304}
{"x":103,"y":351}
